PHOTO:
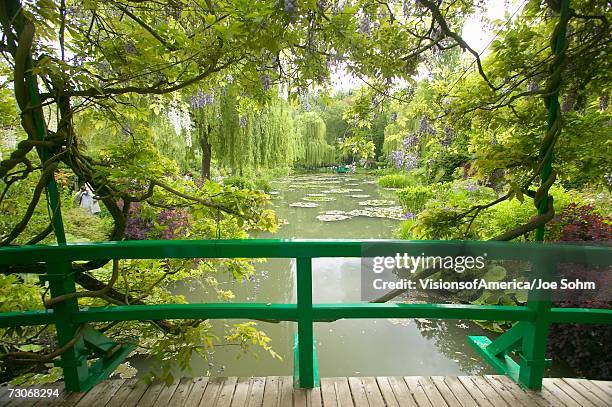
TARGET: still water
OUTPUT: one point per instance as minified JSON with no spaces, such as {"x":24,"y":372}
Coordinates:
{"x":382,"y":347}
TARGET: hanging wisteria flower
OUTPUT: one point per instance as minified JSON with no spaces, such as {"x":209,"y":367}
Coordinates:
{"x":291,"y":7}
{"x":410,"y":141}
{"x":449,"y":134}
{"x":396,"y":157}
{"x":533,"y":86}
{"x":365,"y":25}
{"x":425,"y":128}
{"x":265,"y":81}
{"x":130,"y":48}
{"x":105,"y":68}
{"x":393,"y":116}
{"x":410,"y":161}
{"x":242,"y":121}
{"x":201,"y":99}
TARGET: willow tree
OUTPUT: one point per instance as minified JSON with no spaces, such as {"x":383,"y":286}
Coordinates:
{"x":312,"y":149}
{"x":240,"y":135}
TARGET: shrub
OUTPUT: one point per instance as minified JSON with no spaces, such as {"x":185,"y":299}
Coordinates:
{"x":396,"y":181}
{"x":586,"y":348}
{"x":245,"y":183}
{"x":239,"y":182}
{"x":82,"y":226}
{"x":413,"y":199}
{"x":443,"y":167}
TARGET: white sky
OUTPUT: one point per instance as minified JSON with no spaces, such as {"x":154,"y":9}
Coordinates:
{"x":474,"y":33}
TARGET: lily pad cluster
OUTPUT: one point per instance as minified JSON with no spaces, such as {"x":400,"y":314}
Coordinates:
{"x":377,"y":202}
{"x":323,"y":198}
{"x":304,"y":204}
{"x":394,"y":212}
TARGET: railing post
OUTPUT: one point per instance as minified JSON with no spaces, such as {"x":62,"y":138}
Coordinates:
{"x":535,"y":333}
{"x":307,"y":375}
{"x":74,"y":360}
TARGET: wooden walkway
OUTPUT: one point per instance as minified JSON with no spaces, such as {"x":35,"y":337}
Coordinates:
{"x":432,"y":391}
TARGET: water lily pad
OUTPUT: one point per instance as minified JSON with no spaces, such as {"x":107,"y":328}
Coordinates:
{"x":376,"y":202}
{"x":318,"y":198}
{"x":387,"y":212}
{"x":332,"y":218}
{"x":304,"y":204}
{"x":315,"y":195}
{"x":274,"y":192}
{"x":360,"y":196}
{"x":338,"y":191}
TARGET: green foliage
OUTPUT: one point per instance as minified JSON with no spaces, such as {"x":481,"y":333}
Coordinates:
{"x":312,"y":149}
{"x":246,"y":183}
{"x":396,"y":181}
{"x":413,"y":199}
{"x":358,"y":148}
{"x":439,"y":219}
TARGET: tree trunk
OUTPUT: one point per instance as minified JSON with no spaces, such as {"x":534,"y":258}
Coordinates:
{"x":206,"y":152}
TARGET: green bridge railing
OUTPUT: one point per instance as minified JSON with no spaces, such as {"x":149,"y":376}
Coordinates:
{"x":518,"y":353}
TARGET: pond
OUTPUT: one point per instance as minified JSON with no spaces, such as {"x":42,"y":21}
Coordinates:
{"x":340,"y":206}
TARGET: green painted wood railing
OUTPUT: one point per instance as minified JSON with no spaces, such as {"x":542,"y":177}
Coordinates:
{"x":526,"y":341}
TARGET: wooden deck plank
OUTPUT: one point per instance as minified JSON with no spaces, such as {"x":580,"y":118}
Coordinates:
{"x":401,"y":391}
{"x":179,"y":397}
{"x":417,"y":391}
{"x":226,"y":393}
{"x":271,"y":391}
{"x":286,"y":391}
{"x":558,"y":393}
{"x":432,"y":392}
{"x":256,"y":392}
{"x":446,"y":392}
{"x":213,"y":388}
{"x":241,"y":392}
{"x":101,"y":393}
{"x":196,"y":392}
{"x":278,"y":391}
{"x":387,"y":392}
{"x":471,"y":388}
{"x":150,"y":395}
{"x":526,"y":397}
{"x":504,"y":392}
{"x":343,"y":392}
{"x":54,"y":401}
{"x":373,"y":392}
{"x":307,"y":397}
{"x":328,"y":392}
{"x":166,"y":394}
{"x":358,"y":391}
{"x":494,"y":397}
{"x":593,"y":393}
{"x":569,"y":390}
{"x":605,"y":386}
